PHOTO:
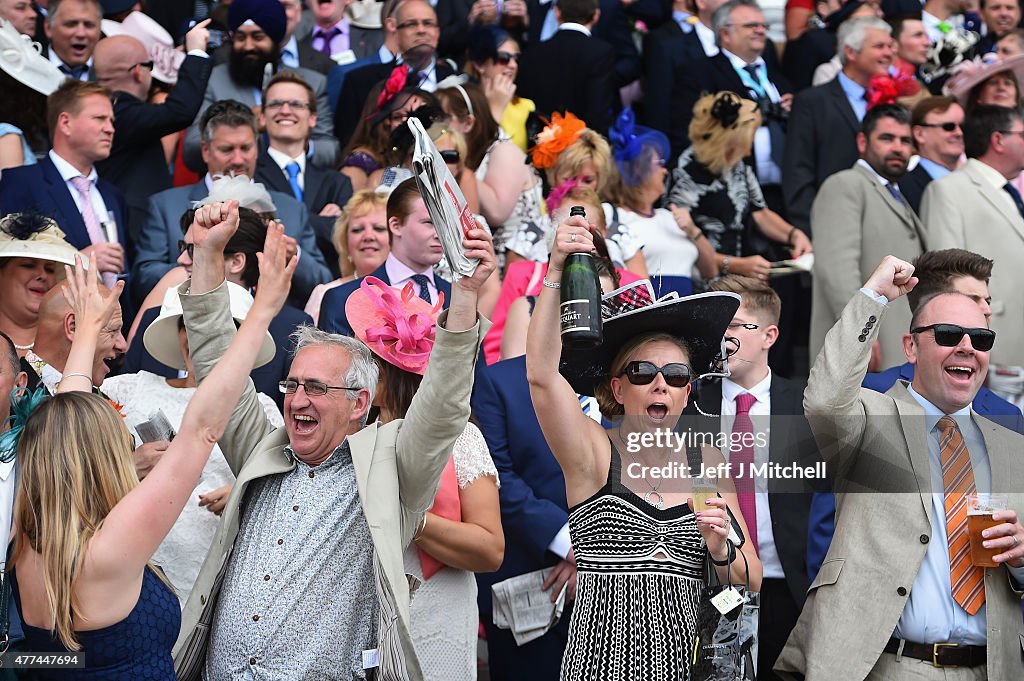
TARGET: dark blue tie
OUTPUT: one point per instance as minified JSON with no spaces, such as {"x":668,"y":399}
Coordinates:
{"x":422,"y":281}
{"x":1015,"y":195}
{"x":293,"y":179}
{"x":75,"y":72}
{"x":894,"y":190}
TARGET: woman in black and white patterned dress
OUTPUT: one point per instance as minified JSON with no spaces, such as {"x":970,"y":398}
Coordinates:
{"x":638,"y":546}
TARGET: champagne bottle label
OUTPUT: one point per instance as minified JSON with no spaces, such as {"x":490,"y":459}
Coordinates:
{"x":576,"y":315}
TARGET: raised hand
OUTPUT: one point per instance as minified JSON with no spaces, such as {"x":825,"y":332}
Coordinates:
{"x":93,"y":308}
{"x":713,"y":524}
{"x":277,"y":265}
{"x":575,"y":235}
{"x":214,"y":225}
{"x":892,"y":278}
{"x":480,"y":245}
{"x":198,"y":37}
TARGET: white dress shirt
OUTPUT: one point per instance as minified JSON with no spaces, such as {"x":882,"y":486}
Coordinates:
{"x":282,"y":159}
{"x":707,"y":39}
{"x":67,"y":173}
{"x":768,"y":171}
{"x":760,"y":413}
{"x":399,"y":274}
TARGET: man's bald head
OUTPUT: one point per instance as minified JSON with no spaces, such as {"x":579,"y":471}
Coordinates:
{"x":119,"y":63}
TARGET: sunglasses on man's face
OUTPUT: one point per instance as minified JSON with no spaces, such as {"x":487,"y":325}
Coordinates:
{"x":185,"y":246}
{"x":950,"y":335}
{"x":676,"y":374}
{"x":949,"y":126}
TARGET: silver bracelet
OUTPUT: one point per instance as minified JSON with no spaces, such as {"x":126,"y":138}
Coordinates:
{"x":552,"y":284}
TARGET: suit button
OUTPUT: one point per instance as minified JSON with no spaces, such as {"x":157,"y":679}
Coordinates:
{"x":202,"y":600}
{"x":862,"y":338}
{"x":901,"y":591}
{"x":924,"y":538}
{"x":869,"y":324}
{"x":872,"y":319}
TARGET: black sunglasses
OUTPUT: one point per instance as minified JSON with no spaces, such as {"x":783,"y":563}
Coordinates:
{"x":950,"y":335}
{"x":676,"y":374}
{"x":450,"y":155}
{"x":948,"y":127}
{"x":185,"y":246}
{"x":504,"y":58}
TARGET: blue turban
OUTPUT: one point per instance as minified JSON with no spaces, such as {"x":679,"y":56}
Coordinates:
{"x":267,"y":14}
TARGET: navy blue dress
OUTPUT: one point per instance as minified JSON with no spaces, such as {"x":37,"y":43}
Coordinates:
{"x":138,"y":648}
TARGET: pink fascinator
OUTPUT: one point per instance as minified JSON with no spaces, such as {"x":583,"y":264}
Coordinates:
{"x":398,"y":327}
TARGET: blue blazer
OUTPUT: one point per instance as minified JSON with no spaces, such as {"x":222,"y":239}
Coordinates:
{"x":158,"y":242}
{"x":532,"y":492}
{"x":265,"y":378}
{"x":822,"y":521}
{"x":41,"y":189}
{"x":332,"y":310}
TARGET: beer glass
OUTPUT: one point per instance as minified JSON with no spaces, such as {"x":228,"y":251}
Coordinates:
{"x":980,"y":508}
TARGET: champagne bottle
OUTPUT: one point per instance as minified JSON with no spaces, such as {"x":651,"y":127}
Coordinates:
{"x":581,"y":299}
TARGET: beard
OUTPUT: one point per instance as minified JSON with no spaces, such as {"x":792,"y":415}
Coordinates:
{"x":246,"y":68}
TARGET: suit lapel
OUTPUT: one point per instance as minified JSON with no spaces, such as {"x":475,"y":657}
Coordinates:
{"x":902,"y":210}
{"x":72,"y":223}
{"x":840,"y":101}
{"x":361,"y":447}
{"x":911,"y":415}
{"x":991,"y":194}
{"x":272,"y":174}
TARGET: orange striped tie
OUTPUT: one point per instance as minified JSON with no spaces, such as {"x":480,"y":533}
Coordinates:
{"x":968,"y":581}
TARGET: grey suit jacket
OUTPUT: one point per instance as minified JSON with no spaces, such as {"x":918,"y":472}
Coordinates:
{"x":856,"y":222}
{"x":398,"y":470}
{"x":325,"y":145}
{"x":877,"y":448}
{"x":964,"y":210}
{"x":157,"y":244}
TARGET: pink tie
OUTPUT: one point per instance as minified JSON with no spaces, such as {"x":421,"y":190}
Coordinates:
{"x":742,"y":432}
{"x":92,"y":223}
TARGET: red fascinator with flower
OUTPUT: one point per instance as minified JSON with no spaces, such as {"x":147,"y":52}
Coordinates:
{"x":885,"y":89}
{"x":394,"y":84}
{"x":399,"y":327}
{"x":557,"y":135}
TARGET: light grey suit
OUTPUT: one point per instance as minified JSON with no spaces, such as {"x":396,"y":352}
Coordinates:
{"x":221,"y":86}
{"x":398,"y":469}
{"x":964,"y":210}
{"x":856,"y":222}
{"x":875,"y":442}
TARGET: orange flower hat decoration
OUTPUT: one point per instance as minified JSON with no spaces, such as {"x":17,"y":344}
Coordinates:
{"x":557,"y":135}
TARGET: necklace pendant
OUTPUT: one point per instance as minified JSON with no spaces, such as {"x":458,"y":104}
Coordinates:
{"x":659,"y":504}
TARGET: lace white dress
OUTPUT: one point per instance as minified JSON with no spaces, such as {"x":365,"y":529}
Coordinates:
{"x":444,"y":616}
{"x":182,"y":552}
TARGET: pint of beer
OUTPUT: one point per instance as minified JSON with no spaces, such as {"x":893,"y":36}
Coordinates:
{"x":980,"y":508}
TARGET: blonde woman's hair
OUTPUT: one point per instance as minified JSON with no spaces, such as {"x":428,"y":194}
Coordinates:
{"x":589,"y":146}
{"x":606,"y":402}
{"x":75,"y":464}
{"x":361,"y":203}
{"x":722,"y":147}
{"x":439,"y":131}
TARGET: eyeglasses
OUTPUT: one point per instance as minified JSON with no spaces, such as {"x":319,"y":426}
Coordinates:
{"x":293,"y":104}
{"x":504,"y":58}
{"x":1013,"y":132}
{"x":185,"y":246}
{"x":312,"y":388}
{"x":676,"y":374}
{"x":950,"y":335}
{"x":428,"y":24}
{"x":744,"y":325}
{"x":948,"y":126}
{"x":144,"y":64}
{"x":750,"y":26}
{"x":450,"y":156}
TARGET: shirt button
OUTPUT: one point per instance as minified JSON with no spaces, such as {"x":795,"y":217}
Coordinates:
{"x":295,"y":508}
{"x":924,"y":538}
{"x":255,"y":618}
{"x":280,"y":541}
{"x":266,"y":578}
{"x":312,"y":474}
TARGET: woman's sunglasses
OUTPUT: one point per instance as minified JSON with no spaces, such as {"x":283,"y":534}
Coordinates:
{"x":504,"y":58}
{"x":450,"y":156}
{"x":950,"y":335}
{"x":676,"y":374}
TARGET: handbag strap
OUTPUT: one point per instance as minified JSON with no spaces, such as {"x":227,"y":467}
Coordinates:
{"x":5,"y":603}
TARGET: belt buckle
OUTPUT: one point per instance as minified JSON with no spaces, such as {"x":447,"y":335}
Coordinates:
{"x":935,"y":654}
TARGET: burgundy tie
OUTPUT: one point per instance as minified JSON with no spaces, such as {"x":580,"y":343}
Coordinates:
{"x":742,"y":433}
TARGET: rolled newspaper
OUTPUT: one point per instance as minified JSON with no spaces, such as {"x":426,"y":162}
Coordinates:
{"x":444,"y":200}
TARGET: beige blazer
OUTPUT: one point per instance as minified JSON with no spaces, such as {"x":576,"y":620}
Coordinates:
{"x":856,"y":222}
{"x":878,"y":442}
{"x":964,"y":210}
{"x":398,"y":470}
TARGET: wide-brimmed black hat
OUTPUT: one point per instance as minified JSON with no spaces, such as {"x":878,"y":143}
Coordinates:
{"x":700,"y":321}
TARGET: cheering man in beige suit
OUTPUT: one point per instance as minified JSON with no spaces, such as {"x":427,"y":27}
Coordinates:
{"x":857,"y":218}
{"x":897,"y":598}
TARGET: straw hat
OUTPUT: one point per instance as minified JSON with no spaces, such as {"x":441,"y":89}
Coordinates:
{"x":701,"y":321}
{"x":161,"y":337}
{"x":155,"y":38}
{"x":22,"y":60}
{"x":398,"y":327}
{"x":29,"y":235}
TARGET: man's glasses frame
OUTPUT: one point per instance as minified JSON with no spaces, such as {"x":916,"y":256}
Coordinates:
{"x":950,"y":335}
{"x":293,"y":104}
{"x":312,"y":388}
{"x":948,"y":126}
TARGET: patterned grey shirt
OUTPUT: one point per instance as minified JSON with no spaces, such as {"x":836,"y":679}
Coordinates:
{"x":298,"y":600}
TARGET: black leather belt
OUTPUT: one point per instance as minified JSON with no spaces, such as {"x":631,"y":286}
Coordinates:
{"x":941,"y":654}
